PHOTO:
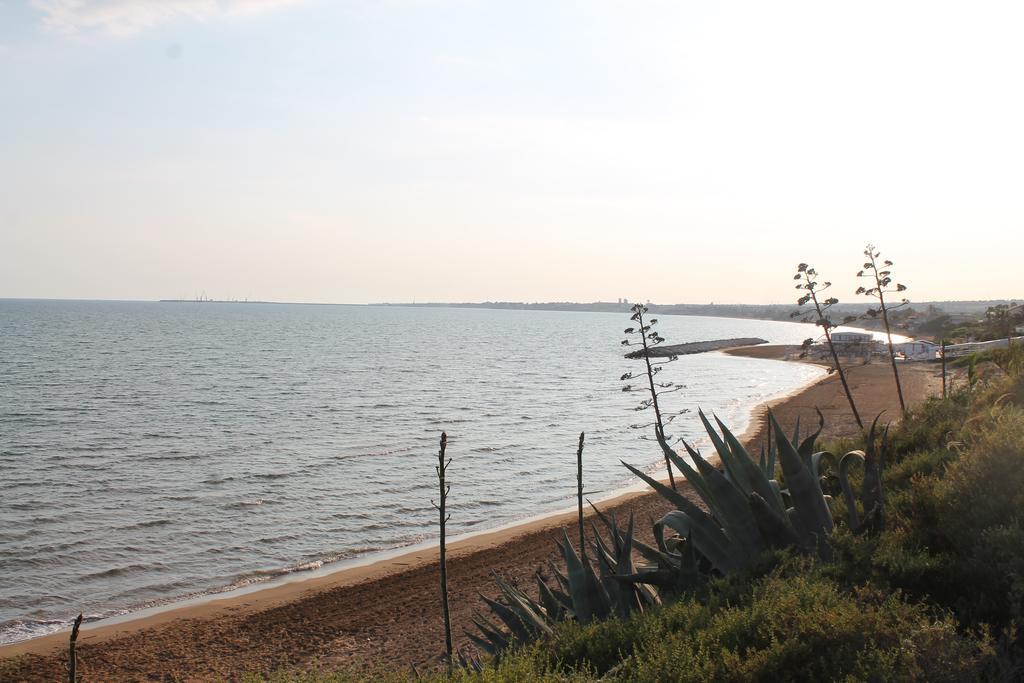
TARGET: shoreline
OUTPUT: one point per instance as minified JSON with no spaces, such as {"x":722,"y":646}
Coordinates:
{"x":378,"y":563}
{"x":383,"y":609}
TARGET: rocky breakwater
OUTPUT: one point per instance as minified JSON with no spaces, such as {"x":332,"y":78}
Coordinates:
{"x":669,"y":350}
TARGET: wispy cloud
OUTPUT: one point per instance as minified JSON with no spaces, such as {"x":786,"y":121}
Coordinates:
{"x":126,"y":17}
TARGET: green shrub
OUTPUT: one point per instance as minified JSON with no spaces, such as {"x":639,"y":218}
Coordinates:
{"x":804,"y":628}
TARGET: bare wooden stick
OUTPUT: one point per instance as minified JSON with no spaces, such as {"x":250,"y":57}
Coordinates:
{"x":72,"y":655}
{"x":441,"y":468}
{"x":579,"y":494}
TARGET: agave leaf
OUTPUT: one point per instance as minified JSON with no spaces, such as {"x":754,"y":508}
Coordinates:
{"x":601,"y":549}
{"x":679,"y":500}
{"x":627,"y":598}
{"x":665,"y":579}
{"x":612,"y":525}
{"x":816,"y":459}
{"x":688,"y":562}
{"x":804,"y":489}
{"x":655,"y":556}
{"x":696,"y":481}
{"x":806,"y":540}
{"x":554,"y":607}
{"x":648,"y":595}
{"x":526,"y":608}
{"x":624,"y":561}
{"x":589,"y":599}
{"x":796,"y":433}
{"x":844,"y":484}
{"x":732,"y":510}
{"x":871,"y":492}
{"x":709,"y":541}
{"x":491,"y":647}
{"x":513,"y":622}
{"x":675,"y":578}
{"x":776,"y":530}
{"x":561,"y":579}
{"x":492,"y":639}
{"x":806,"y":446}
{"x":622,"y":597}
{"x":734,"y":473}
{"x":759,"y":483}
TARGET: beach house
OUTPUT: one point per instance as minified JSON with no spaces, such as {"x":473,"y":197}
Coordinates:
{"x":917,"y":349}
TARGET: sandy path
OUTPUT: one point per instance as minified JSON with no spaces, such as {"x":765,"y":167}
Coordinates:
{"x":389,"y":613}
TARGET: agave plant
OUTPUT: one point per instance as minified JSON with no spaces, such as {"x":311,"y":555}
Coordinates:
{"x":748,"y":510}
{"x":872,"y":495}
{"x":579,"y":594}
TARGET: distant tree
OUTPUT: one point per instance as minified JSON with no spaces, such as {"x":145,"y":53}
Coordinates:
{"x":1002,"y":319}
{"x":647,"y":338}
{"x":937,"y":326}
{"x":818,"y":314}
{"x":883,"y":282}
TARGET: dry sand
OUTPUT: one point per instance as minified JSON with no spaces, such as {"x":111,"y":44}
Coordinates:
{"x":388,"y":613}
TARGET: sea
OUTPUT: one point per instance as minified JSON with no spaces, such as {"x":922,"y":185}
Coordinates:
{"x":155,"y":452}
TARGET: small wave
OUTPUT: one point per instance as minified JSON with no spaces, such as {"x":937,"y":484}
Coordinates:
{"x":217,"y":480}
{"x":92,"y":449}
{"x":263,"y":575}
{"x":375,"y":454}
{"x":23,"y":629}
{"x":266,"y":540}
{"x":149,"y":524}
{"x":169,"y":457}
{"x":271,"y":475}
{"x":115,"y":571}
{"x":252,"y":503}
{"x":350,"y":515}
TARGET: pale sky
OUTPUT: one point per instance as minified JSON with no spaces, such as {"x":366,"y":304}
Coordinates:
{"x":428,"y":150}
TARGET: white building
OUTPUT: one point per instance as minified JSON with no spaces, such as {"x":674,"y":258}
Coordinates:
{"x":852,"y":338}
{"x":918,"y":349}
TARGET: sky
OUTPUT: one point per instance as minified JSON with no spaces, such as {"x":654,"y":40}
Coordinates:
{"x":420,"y":150}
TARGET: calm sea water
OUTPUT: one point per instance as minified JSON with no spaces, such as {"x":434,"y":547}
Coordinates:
{"x":155,"y":451}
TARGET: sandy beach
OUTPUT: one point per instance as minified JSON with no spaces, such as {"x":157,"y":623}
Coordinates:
{"x":387,"y":613}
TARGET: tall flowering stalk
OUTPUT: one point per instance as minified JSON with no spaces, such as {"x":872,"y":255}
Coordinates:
{"x":819,"y":315}
{"x":646,"y":337}
{"x":882,"y":278}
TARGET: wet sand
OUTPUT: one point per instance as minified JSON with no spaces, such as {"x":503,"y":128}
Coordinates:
{"x":388,"y":613}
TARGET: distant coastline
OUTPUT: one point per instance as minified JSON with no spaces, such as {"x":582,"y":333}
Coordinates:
{"x":218,"y":301}
{"x":779,"y":312}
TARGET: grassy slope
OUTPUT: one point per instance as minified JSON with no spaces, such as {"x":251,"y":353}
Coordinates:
{"x":937,"y":596}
